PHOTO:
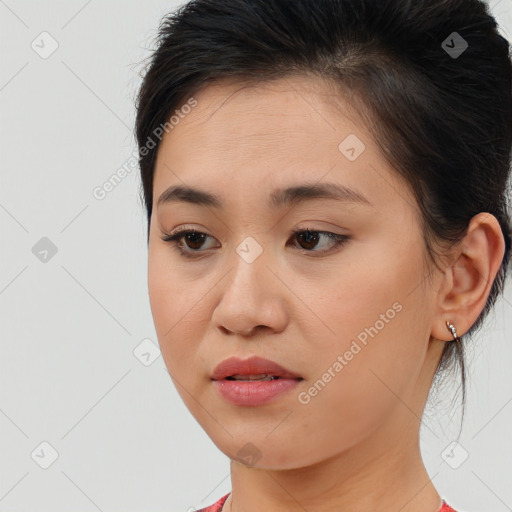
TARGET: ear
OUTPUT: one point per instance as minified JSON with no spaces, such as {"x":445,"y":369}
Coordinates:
{"x":466,"y":283}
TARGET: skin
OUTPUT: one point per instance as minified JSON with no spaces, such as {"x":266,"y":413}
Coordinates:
{"x":355,"y":445}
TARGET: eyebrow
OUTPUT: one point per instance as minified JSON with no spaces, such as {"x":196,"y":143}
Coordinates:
{"x":278,"y":198}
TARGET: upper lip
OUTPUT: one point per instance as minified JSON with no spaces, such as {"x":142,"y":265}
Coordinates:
{"x":252,"y":366}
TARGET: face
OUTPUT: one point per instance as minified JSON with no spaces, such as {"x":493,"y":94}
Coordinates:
{"x":344,"y":304}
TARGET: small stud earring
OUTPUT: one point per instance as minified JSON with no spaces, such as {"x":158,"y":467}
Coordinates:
{"x":453,"y":330}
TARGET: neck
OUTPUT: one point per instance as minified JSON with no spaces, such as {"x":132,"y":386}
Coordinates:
{"x":364,"y":478}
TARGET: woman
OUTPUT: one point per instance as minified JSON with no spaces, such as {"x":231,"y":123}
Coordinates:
{"x":325,"y":184}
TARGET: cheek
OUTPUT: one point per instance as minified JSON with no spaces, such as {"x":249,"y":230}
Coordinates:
{"x":175,"y":306}
{"x":373,"y":317}
{"x":369,"y":297}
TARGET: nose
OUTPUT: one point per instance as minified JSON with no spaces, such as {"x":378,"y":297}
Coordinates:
{"x":243,"y":333}
{"x":251,"y":298}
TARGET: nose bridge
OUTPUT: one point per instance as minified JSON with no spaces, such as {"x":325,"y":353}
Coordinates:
{"x":248,"y":285}
{"x":250,"y":259}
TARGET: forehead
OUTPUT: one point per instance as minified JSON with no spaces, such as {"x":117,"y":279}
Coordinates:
{"x":254,"y":138}
{"x":230,"y":111}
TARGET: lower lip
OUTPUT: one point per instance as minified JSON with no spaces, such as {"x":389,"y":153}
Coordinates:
{"x":241,"y":392}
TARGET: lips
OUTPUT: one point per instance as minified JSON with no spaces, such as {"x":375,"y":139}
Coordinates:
{"x":251,"y":369}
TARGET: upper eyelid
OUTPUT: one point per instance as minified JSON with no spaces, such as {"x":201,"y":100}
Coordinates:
{"x":306,"y":227}
{"x":186,"y":230}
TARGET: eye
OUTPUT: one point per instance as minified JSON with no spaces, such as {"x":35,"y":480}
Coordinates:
{"x":194,"y":240}
{"x":310,"y":238}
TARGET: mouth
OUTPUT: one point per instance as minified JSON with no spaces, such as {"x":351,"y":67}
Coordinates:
{"x":253,"y":382}
{"x":253,"y":369}
{"x":262,"y":377}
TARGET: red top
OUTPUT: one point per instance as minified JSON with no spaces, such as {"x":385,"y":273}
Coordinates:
{"x":217,"y":507}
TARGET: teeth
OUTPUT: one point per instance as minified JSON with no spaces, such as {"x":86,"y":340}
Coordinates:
{"x":261,"y":376}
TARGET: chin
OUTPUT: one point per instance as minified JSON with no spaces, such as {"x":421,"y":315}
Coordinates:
{"x":264,"y":453}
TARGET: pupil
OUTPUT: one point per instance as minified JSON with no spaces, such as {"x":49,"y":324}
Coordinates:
{"x":191,"y":235}
{"x":309,"y":235}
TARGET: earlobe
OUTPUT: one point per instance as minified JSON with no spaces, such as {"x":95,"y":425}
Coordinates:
{"x":469,"y":280}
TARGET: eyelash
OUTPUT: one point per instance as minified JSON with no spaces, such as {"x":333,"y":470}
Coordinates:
{"x":175,"y":239}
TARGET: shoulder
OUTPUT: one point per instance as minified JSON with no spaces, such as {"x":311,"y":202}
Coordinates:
{"x":217,"y":506}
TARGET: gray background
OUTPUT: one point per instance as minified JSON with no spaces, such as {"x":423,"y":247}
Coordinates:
{"x":74,"y":323}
